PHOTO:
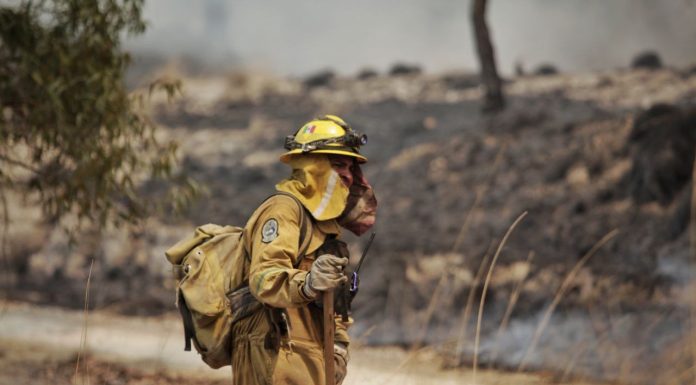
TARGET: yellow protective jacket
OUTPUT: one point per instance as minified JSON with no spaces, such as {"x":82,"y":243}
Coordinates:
{"x":257,"y":358}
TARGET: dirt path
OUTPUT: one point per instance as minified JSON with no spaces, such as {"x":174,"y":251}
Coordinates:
{"x":38,"y":344}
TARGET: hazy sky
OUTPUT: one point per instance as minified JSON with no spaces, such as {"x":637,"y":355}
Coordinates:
{"x":300,"y":36}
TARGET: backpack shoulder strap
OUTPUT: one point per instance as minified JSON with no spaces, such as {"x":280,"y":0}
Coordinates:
{"x":305,"y":227}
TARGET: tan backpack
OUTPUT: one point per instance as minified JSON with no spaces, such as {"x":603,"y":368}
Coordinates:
{"x":212,"y":289}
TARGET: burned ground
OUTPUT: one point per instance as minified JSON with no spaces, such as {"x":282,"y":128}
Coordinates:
{"x":582,"y":154}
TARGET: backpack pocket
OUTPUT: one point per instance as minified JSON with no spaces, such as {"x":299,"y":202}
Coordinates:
{"x":203,"y":266}
{"x":201,"y":286}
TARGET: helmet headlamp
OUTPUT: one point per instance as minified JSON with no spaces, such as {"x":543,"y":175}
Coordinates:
{"x":354,"y":139}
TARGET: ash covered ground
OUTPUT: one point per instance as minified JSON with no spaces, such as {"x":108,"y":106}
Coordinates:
{"x":582,"y":154}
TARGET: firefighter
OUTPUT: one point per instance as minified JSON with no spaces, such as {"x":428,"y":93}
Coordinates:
{"x":283,"y":344}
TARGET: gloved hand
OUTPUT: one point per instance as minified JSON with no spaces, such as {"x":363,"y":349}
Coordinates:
{"x":341,"y":358}
{"x":326,"y":273}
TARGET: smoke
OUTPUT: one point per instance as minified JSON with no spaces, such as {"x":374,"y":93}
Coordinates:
{"x":302,"y":36}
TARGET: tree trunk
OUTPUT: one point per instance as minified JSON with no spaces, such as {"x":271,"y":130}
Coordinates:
{"x":493,"y":94}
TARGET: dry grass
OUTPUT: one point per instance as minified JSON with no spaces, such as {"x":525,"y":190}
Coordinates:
{"x":466,"y":313}
{"x":485,"y":289}
{"x":565,"y":285}
{"x":514,"y":296}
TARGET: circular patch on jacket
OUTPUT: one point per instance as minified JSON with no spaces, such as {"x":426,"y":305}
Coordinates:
{"x":269,"y":232}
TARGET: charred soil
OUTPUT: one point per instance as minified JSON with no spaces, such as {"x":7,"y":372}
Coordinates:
{"x":583,"y":154}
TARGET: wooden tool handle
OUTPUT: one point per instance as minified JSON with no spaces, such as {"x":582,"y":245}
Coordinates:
{"x":329,"y":370}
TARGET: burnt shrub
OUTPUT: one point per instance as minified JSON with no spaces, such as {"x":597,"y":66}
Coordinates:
{"x":661,"y":145}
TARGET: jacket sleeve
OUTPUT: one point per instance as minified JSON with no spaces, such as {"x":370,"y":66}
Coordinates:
{"x":272,"y":278}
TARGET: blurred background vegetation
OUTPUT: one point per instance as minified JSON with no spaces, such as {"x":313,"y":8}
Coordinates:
{"x":73,"y":139}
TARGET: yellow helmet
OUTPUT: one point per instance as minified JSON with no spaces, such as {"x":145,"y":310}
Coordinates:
{"x":326,"y":135}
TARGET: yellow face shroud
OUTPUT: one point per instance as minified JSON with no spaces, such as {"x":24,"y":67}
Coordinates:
{"x":316,"y":185}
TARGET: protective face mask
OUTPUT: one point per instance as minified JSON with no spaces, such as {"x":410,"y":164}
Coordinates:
{"x":361,"y":208}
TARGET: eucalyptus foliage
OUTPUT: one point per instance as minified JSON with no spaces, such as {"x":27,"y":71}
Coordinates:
{"x":71,"y":135}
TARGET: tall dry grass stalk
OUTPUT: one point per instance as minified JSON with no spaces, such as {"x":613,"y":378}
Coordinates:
{"x":565,"y":285}
{"x":466,"y":314}
{"x":83,"y":336}
{"x":514,"y":296}
{"x":485,"y":289}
